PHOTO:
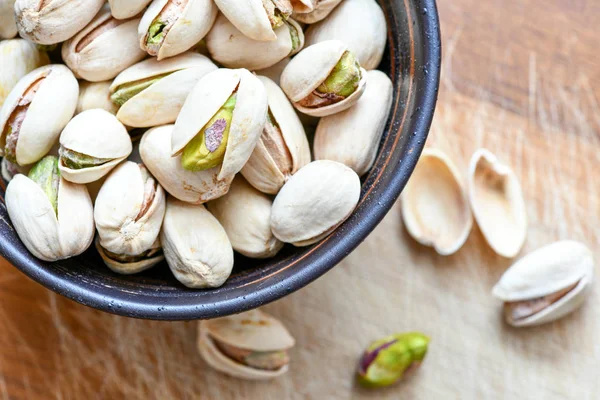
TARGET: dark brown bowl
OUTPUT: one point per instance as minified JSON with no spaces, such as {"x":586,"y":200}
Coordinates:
{"x":412,"y":60}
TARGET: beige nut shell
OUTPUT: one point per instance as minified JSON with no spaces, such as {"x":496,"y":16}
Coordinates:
{"x":8,"y":27}
{"x":309,"y":14}
{"x":129,"y":268}
{"x":123,"y":9}
{"x":95,"y":95}
{"x":249,"y":16}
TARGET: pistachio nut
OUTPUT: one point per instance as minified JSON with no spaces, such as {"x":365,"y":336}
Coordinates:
{"x":53,"y":21}
{"x":252,"y":345}
{"x":53,"y":217}
{"x":388,"y":359}
{"x":311,"y":11}
{"x":196,"y":246}
{"x":232,"y":49}
{"x":324,"y":79}
{"x":274,"y":71}
{"x":170,"y":27}
{"x":31,"y":117}
{"x":435,"y":207}
{"x":8,"y":27}
{"x":104,"y":48}
{"x":91,"y":145}
{"x":129,"y":265}
{"x":95,"y":95}
{"x":9,"y":170}
{"x":282,"y":148}
{"x":497,"y":202}
{"x":360,"y":24}
{"x":128,"y":212}
{"x":244,"y":213}
{"x":191,"y":186}
{"x":123,"y":9}
{"x":19,"y":57}
{"x":152,"y":92}
{"x":546,"y":284}
{"x":220,"y":122}
{"x":256,"y":19}
{"x":314,"y":202}
{"x":352,"y":136}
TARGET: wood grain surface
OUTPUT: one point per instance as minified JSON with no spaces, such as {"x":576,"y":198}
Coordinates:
{"x":520,"y":77}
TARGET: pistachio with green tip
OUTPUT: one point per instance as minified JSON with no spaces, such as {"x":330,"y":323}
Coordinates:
{"x":388,"y":359}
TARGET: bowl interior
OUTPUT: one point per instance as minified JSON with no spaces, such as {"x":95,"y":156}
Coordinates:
{"x":412,"y":60}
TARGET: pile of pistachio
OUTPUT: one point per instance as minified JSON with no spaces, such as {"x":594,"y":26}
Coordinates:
{"x":176,"y":129}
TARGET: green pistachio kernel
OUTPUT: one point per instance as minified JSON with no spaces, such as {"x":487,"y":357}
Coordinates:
{"x":344,"y":78}
{"x":156,"y":32}
{"x":295,"y":37}
{"x":47,"y":176}
{"x":278,"y":11}
{"x":386,"y":360}
{"x":127,"y":90}
{"x":207,"y":149}
{"x":74,"y":160}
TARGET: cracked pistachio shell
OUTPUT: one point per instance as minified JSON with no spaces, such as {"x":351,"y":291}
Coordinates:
{"x":53,"y":21}
{"x":315,"y":12}
{"x":231,"y":48}
{"x":309,"y":69}
{"x":19,"y":57}
{"x":47,"y":235}
{"x":360,"y":24}
{"x":161,"y":101}
{"x":129,"y":210}
{"x":252,"y":331}
{"x":123,"y":9}
{"x":435,"y":207}
{"x":44,"y":111}
{"x":9,"y":170}
{"x":273,"y":161}
{"x":196,"y":246}
{"x":548,"y":270}
{"x":314,"y":202}
{"x":98,"y":134}
{"x":497,"y":203}
{"x":244,"y":213}
{"x":179,"y":26}
{"x":104,"y":48}
{"x":8,"y":27}
{"x":135,"y":266}
{"x":352,"y":136}
{"x":248,"y":119}
{"x":95,"y":95}
{"x":191,"y":186}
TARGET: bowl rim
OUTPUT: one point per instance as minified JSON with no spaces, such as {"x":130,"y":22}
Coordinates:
{"x":131,"y":306}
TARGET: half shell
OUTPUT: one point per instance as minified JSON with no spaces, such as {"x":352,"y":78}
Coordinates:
{"x":95,"y":95}
{"x":497,"y":203}
{"x":314,"y":202}
{"x":315,"y":12}
{"x":195,"y":245}
{"x":160,"y":102}
{"x":435,"y":207}
{"x":244,"y":213}
{"x":123,"y":9}
{"x":546,"y":284}
{"x":253,"y":331}
{"x":8,"y":27}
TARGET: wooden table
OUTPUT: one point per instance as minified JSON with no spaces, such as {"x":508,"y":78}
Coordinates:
{"x":521,"y":77}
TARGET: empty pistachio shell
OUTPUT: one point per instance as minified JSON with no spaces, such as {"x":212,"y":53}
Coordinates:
{"x":244,"y":213}
{"x":315,"y":201}
{"x":35,"y":111}
{"x":221,"y":122}
{"x":152,"y":92}
{"x":360,"y":24}
{"x":195,"y":245}
{"x":251,"y":345}
{"x":123,"y":9}
{"x":311,"y":11}
{"x":8,"y":27}
{"x":256,"y":19}
{"x":283,"y":147}
{"x":128,"y":265}
{"x":105,"y":47}
{"x":170,"y":27}
{"x":53,"y":21}
{"x":352,"y":136}
{"x":497,"y":203}
{"x":129,"y":210}
{"x":19,"y":57}
{"x":324,"y":79}
{"x":91,"y":145}
{"x":9,"y":170}
{"x":231,"y":48}
{"x":95,"y":95}
{"x":435,"y":207}
{"x":274,"y":72}
{"x":53,"y":217}
{"x":191,"y":186}
{"x":546,"y":284}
